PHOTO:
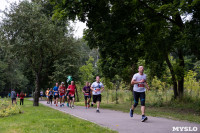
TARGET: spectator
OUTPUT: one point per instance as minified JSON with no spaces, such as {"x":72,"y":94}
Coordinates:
{"x":21,"y":98}
{"x":13,"y":96}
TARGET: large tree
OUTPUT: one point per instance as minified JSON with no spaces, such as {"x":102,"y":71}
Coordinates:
{"x":128,"y":30}
{"x":35,"y":38}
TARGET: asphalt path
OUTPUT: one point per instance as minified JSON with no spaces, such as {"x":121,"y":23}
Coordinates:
{"x":123,"y":123}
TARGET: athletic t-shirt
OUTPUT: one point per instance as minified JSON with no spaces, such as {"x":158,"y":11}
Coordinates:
{"x":55,"y":89}
{"x":87,"y":90}
{"x":50,"y":93}
{"x":140,"y":87}
{"x":62,"y":90}
{"x":47,"y":92}
{"x":72,"y":89}
{"x":97,"y":86}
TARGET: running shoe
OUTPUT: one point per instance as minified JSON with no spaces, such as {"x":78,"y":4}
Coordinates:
{"x":98,"y":111}
{"x":91,"y":105}
{"x":56,"y":105}
{"x":131,"y":113}
{"x":67,"y":104}
{"x":144,"y":118}
{"x":61,"y":105}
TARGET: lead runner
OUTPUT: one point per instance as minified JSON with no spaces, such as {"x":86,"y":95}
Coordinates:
{"x":139,"y":82}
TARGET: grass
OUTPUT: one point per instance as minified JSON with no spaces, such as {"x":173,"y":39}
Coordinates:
{"x":43,"y":119}
{"x":180,"y":111}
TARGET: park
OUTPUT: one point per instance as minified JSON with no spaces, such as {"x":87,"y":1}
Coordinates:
{"x":134,"y":68}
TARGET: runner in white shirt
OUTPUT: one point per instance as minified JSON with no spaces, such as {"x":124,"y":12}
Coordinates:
{"x":97,"y":87}
{"x":139,"y":82}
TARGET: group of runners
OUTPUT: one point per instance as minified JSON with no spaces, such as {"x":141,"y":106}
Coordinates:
{"x":94,"y":91}
{"x":62,"y":92}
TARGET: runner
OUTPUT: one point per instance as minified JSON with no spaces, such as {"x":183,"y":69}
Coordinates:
{"x":97,"y":87}
{"x":87,"y":94}
{"x":71,"y":88}
{"x":50,"y":94}
{"x":41,"y":94}
{"x":13,"y":96}
{"x":139,"y":82}
{"x":56,"y":95}
{"x":62,"y":90}
{"x":91,"y":95}
{"x":21,"y":95}
{"x":69,"y":79}
{"x":47,"y":95}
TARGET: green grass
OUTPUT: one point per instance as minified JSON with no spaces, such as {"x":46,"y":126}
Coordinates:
{"x":179,"y":111}
{"x":46,"y":120}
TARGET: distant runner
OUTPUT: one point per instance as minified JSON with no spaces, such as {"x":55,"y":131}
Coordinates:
{"x":50,"y":95}
{"x":87,"y":94}
{"x":47,"y":95}
{"x":56,"y":94}
{"x":13,"y":96}
{"x":41,"y":94}
{"x":62,"y":90}
{"x":72,"y":89}
{"x":97,"y":87}
{"x":139,"y":82}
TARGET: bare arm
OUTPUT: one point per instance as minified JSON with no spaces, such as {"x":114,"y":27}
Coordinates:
{"x":145,"y":83}
{"x":102,"y":89}
{"x":133,"y":81}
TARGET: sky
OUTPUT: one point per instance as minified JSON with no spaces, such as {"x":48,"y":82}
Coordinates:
{"x":78,"y":26}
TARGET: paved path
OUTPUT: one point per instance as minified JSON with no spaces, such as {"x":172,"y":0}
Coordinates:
{"x":122,"y":122}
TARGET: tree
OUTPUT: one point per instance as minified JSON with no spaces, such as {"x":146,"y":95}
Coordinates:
{"x":135,"y":29}
{"x":87,"y":71}
{"x":34,"y":37}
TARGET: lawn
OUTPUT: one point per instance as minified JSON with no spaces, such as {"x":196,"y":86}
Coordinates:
{"x":46,"y":120}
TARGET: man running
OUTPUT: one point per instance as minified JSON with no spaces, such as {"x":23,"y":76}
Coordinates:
{"x":41,"y":94}
{"x":50,"y":96}
{"x":139,"y":82}
{"x":97,"y":87}
{"x":72,"y":89}
{"x":87,"y":94}
{"x":62,"y":90}
{"x":47,"y":95}
{"x":56,"y":94}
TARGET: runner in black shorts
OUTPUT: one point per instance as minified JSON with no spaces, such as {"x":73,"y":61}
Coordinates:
{"x":56,"y":94}
{"x":97,"y":87}
{"x":139,"y":82}
{"x":87,"y":94}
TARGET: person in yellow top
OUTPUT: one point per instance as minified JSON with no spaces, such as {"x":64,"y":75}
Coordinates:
{"x":47,"y":95}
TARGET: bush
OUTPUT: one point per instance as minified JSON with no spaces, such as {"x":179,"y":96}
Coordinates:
{"x":7,"y":109}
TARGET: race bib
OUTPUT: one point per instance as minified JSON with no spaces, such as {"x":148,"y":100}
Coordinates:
{"x":98,"y":89}
{"x":141,"y":85}
{"x":72,"y":95}
{"x":87,"y":94}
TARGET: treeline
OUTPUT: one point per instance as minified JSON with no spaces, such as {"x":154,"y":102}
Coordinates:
{"x":36,"y":51}
{"x":130,"y":31}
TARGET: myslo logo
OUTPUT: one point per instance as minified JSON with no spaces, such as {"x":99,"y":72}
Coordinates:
{"x":184,"y":129}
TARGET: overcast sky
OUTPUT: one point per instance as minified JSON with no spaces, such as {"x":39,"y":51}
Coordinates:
{"x":78,"y":26}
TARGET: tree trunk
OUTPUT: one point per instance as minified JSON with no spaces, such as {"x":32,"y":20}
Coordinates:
{"x":117,"y":87}
{"x":37,"y":90}
{"x":173,"y":77}
{"x":181,"y":76}
{"x":77,"y":95}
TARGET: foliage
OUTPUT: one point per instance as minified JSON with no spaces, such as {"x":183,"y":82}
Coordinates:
{"x":87,"y":71}
{"x":7,"y":109}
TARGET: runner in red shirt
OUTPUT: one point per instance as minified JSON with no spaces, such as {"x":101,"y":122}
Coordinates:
{"x":21,"y":98}
{"x":71,"y":88}
{"x":62,"y":91}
